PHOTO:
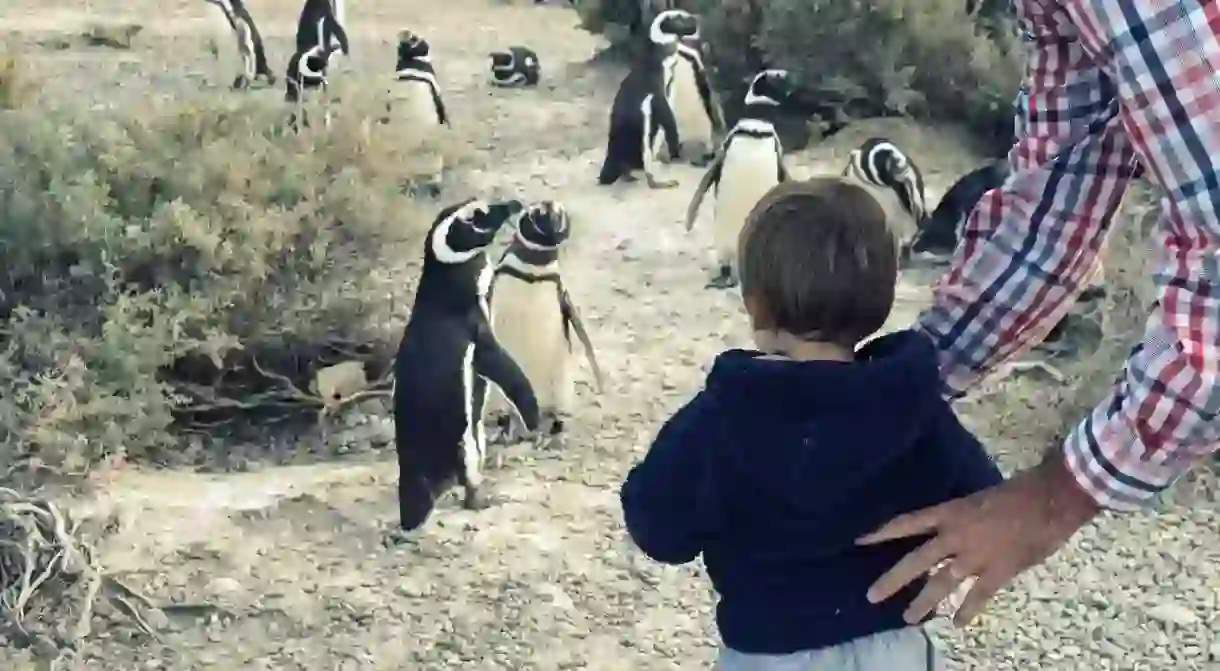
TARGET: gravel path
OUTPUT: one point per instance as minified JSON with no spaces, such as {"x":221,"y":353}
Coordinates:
{"x":289,"y":561}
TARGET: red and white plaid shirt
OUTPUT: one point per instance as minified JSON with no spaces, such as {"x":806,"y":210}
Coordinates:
{"x":1108,"y":83}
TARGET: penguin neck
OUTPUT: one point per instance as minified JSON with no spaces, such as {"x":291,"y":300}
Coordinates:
{"x":533,"y":262}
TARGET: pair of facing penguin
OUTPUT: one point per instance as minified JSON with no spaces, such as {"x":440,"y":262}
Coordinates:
{"x":453,"y":347}
{"x":320,"y":37}
{"x":667,"y":98}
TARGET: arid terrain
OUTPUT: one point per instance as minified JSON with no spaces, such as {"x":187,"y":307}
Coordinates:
{"x":283,"y":567}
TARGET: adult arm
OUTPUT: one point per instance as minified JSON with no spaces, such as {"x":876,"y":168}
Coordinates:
{"x":1089,"y":110}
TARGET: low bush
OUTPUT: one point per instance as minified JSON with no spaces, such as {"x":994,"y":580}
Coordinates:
{"x":181,"y":263}
{"x":859,"y":58}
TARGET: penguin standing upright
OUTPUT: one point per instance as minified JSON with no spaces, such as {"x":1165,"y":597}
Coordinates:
{"x":415,"y":100}
{"x":687,"y":87}
{"x":321,"y":25}
{"x":447,"y":356}
{"x":534,"y":317}
{"x":894,"y":180}
{"x":749,"y":164}
{"x":516,"y":66}
{"x":249,"y":43}
{"x":306,"y":77}
{"x":641,"y":117}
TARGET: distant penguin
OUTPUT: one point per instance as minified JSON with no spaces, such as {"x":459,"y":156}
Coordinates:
{"x":305,"y":78}
{"x":534,"y":318}
{"x":938,"y":234}
{"x":249,"y":43}
{"x":749,"y":164}
{"x":641,"y":117}
{"x":415,"y":100}
{"x":446,"y":359}
{"x":687,"y":87}
{"x":894,"y":180}
{"x":321,"y":24}
{"x":516,"y":67}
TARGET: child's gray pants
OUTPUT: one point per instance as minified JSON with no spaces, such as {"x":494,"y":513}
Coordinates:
{"x":908,"y":649}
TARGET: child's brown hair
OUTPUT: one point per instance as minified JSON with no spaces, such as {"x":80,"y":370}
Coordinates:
{"x":817,"y":260}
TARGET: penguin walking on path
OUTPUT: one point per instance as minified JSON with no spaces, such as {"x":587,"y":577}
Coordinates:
{"x":688,"y":89}
{"x":534,"y":318}
{"x":446,"y":359}
{"x":249,"y":44}
{"x":939,"y":233}
{"x":749,"y":164}
{"x":415,"y":100}
{"x":894,"y":180}
{"x":641,"y":117}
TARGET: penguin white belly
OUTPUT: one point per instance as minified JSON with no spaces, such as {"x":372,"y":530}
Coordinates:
{"x":529,"y":326}
{"x":413,"y":104}
{"x":220,"y":35}
{"x":900,"y":222}
{"x":694,"y":126}
{"x":750,"y":170}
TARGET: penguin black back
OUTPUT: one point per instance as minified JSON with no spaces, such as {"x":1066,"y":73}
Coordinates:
{"x":938,"y":234}
{"x":318,"y":25}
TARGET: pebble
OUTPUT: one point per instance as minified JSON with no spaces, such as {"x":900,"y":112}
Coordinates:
{"x":1172,"y":613}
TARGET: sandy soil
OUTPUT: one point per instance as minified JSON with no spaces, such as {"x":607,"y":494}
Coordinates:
{"x":283,"y":568}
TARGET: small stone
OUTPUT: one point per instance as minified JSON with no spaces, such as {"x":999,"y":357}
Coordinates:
{"x":1172,"y":613}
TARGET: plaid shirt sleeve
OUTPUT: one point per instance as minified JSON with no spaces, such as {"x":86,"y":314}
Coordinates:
{"x":1109,"y":84}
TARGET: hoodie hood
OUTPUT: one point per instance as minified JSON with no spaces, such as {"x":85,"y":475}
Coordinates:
{"x":814,"y":432}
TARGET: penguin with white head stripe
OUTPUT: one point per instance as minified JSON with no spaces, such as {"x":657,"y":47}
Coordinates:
{"x":447,"y":357}
{"x":641,"y":117}
{"x":321,"y":25}
{"x":305,"y":79}
{"x":894,"y":180}
{"x":749,"y":164}
{"x":534,"y":317}
{"x":516,"y":66}
{"x":414,"y":99}
{"x":249,"y":43}
{"x":688,"y":89}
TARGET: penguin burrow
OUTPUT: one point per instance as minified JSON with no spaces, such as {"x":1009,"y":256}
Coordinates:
{"x":516,"y":66}
{"x":749,"y":164}
{"x":447,"y":357}
{"x":534,"y":318}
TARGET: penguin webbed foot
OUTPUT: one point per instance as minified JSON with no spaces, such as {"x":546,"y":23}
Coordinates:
{"x":655,"y":182}
{"x":477,"y":499}
{"x":398,"y":537}
{"x":241,"y":83}
{"x":724,"y":279}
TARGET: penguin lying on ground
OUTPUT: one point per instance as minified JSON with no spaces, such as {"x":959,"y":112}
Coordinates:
{"x":534,"y":318}
{"x":516,"y":67}
{"x":641,"y":117}
{"x":305,"y":78}
{"x":687,"y":87}
{"x":446,"y":359}
{"x":749,"y":164}
{"x":249,"y":43}
{"x":894,"y":180}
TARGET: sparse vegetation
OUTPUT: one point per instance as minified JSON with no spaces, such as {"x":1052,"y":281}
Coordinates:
{"x":14,"y":83}
{"x":181,"y":263}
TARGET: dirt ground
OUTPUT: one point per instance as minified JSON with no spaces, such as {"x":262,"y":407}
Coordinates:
{"x":283,"y":567}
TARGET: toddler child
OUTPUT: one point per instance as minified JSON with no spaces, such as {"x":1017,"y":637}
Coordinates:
{"x":791,"y":452}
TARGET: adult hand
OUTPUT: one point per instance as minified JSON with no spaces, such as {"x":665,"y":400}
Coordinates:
{"x":992,"y":535}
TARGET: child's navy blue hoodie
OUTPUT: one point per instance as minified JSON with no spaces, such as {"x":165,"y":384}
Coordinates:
{"x":777,"y":466}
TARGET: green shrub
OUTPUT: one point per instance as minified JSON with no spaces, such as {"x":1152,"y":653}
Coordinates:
{"x":178,"y":263}
{"x":862,"y":58}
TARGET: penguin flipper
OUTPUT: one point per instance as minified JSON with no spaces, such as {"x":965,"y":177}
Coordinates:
{"x":571,"y":316}
{"x":493,"y":362}
{"x":441,"y":115}
{"x":712,"y":176}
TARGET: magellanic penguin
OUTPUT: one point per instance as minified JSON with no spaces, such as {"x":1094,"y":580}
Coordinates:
{"x":641,"y":117}
{"x":518,"y":66}
{"x":534,"y":317}
{"x":894,"y":180}
{"x":306,"y":77}
{"x":687,"y":87}
{"x":415,"y":101}
{"x":939,"y":233}
{"x":749,"y":164}
{"x":321,"y":24}
{"x":249,"y":43}
{"x":446,"y":359}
